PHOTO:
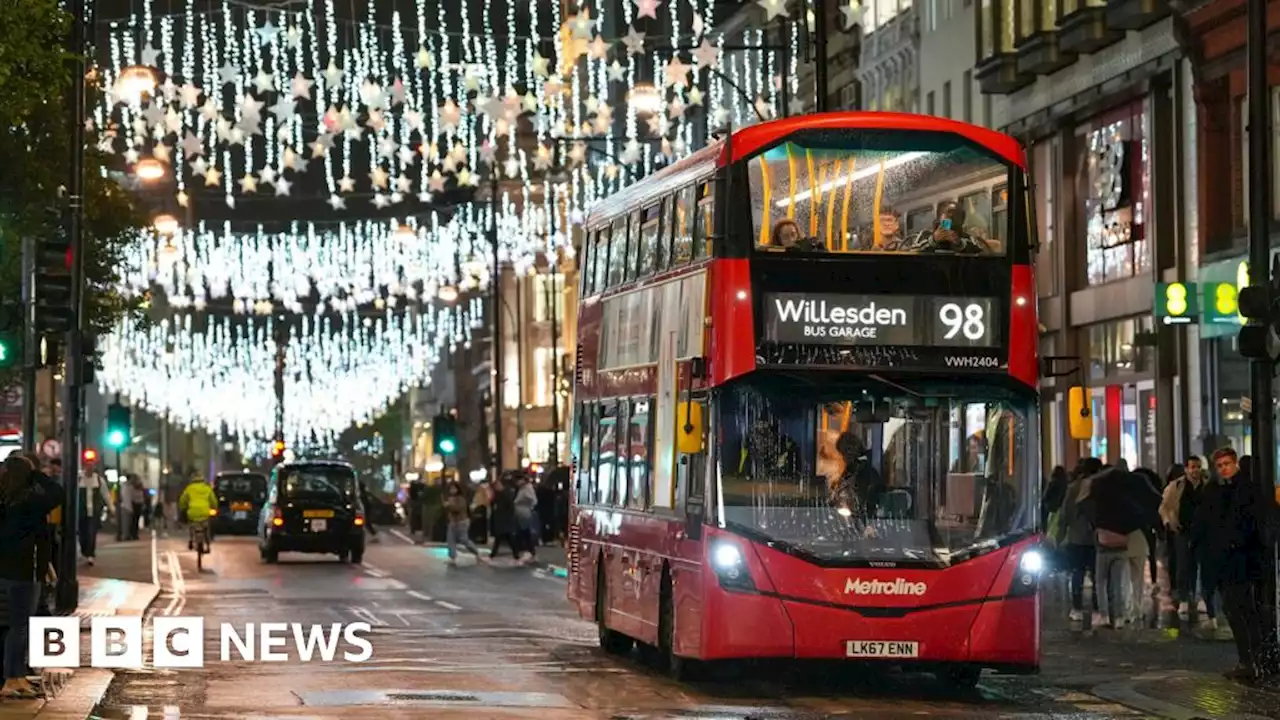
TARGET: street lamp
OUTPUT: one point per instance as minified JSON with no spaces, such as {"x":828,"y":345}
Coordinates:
{"x":165,"y":224}
{"x":149,"y":169}
{"x":448,"y":293}
{"x":646,"y":99}
{"x":135,"y":82}
{"x":405,"y":234}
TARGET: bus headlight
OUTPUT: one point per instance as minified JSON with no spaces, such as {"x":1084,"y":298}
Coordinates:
{"x":729,"y":564}
{"x":1032,"y":562}
{"x":1031,"y":567}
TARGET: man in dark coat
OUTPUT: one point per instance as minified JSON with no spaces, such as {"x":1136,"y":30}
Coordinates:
{"x":1232,"y":524}
{"x":503,"y":515}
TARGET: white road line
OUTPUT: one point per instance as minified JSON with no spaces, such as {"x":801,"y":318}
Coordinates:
{"x":420,"y":596}
{"x":448,"y":605}
{"x":365,"y":615}
{"x":375,"y":568}
{"x":402,"y":536}
{"x":138,"y":712}
{"x":155,"y":561}
{"x":374,"y":573}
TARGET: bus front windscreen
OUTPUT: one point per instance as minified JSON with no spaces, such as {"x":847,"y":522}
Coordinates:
{"x":876,"y":191}
{"x":853,"y":477}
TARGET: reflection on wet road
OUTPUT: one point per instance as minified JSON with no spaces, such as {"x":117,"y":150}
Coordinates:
{"x":485,"y":642}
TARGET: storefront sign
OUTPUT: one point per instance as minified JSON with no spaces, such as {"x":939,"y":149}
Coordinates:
{"x":1176,"y":303}
{"x":882,"y":320}
{"x":1147,"y":449}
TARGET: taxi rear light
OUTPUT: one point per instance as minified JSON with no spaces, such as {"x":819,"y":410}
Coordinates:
{"x":359,"y":520}
{"x":277,"y":518}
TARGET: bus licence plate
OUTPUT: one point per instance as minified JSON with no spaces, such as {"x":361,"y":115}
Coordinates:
{"x":881,"y":649}
{"x":319,"y":525}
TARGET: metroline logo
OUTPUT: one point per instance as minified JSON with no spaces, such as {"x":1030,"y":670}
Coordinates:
{"x":900,"y":586}
{"x":116,"y":642}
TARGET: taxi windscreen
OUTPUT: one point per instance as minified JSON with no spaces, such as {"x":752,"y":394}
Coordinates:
{"x":255,"y":485}
{"x":328,"y":484}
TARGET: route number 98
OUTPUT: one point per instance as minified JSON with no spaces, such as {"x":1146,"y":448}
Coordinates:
{"x":968,"y":319}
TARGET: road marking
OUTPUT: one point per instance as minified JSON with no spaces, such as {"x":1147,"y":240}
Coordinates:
{"x":420,"y":596}
{"x":365,"y":615}
{"x":138,"y":712}
{"x":374,"y":573}
{"x":448,"y":605}
{"x":155,"y":561}
{"x":402,"y":536}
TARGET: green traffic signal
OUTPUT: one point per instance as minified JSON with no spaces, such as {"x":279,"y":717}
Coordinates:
{"x":119,"y":426}
{"x":10,"y":350}
{"x":447,"y":446}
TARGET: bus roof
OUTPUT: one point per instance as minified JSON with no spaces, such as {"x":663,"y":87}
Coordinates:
{"x":703,"y":163}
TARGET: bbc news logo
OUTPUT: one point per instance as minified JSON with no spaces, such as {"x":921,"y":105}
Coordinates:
{"x":179,"y":642}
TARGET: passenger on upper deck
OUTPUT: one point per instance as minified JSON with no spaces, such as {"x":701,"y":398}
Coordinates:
{"x":787,"y":235}
{"x":949,"y":234}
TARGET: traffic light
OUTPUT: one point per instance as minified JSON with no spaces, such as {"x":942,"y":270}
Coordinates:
{"x":277,"y":449}
{"x":445,"y":431}
{"x":10,"y":335}
{"x":51,"y":287}
{"x":1257,"y":338}
{"x":90,"y":456}
{"x":89,"y":346}
{"x":119,"y":426}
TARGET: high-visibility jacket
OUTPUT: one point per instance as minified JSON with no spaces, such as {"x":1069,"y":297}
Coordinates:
{"x":197,"y":501}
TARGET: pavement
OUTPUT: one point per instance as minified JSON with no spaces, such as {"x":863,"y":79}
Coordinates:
{"x":499,"y":642}
{"x":122,"y":582}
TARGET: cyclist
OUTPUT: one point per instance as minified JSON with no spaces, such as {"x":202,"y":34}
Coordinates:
{"x":197,"y":500}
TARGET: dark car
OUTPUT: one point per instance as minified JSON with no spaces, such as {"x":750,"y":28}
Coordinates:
{"x":313,"y":506}
{"x":241,"y":496}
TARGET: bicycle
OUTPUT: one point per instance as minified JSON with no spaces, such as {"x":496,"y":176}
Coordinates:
{"x":200,"y":541}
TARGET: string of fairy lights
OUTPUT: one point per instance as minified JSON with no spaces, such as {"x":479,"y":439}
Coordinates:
{"x":266,"y":104}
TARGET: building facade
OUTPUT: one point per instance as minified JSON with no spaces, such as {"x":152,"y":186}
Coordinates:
{"x":948,"y":88}
{"x":889,"y":69}
{"x":1101,"y":94}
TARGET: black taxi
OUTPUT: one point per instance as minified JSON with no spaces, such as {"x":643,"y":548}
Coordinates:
{"x":241,"y":496}
{"x":313,"y":506}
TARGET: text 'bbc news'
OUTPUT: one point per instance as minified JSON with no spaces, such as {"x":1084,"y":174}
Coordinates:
{"x":180,"y":642}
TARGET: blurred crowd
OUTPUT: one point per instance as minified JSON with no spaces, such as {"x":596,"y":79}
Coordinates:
{"x":1113,"y":529}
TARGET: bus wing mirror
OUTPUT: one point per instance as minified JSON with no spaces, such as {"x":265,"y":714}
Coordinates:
{"x":1080,"y":413}
{"x":689,"y":428}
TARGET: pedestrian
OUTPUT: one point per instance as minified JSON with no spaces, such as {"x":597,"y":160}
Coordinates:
{"x":458,"y":514}
{"x":47,"y":545}
{"x":502,"y":518}
{"x":1148,"y":482}
{"x":24,"y":508}
{"x":433,"y":513}
{"x":366,"y":499}
{"x":93,"y":501}
{"x":1077,"y":540}
{"x":526,"y":504}
{"x":1113,"y":551}
{"x":137,"y":504}
{"x":1233,"y":525}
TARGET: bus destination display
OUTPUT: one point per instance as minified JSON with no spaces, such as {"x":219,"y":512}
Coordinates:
{"x":902,"y":320}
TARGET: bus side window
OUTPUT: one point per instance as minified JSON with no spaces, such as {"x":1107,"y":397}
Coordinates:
{"x":624,"y":454}
{"x":641,"y":453}
{"x":607,"y":457}
{"x":664,"y":237}
{"x":649,"y":241}
{"x":602,"y":260}
{"x":618,"y":252}
{"x":588,"y":255}
{"x":682,"y":222}
{"x":705,"y":229}
{"x":585,"y":426}
{"x":633,"y":247}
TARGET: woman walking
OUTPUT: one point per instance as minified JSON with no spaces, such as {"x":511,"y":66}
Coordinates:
{"x":24,"y":505}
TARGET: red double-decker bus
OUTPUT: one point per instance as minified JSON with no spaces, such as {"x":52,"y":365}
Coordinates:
{"x":805,"y":410}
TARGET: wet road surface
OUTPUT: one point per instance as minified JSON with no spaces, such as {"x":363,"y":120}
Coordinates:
{"x":482,"y":642}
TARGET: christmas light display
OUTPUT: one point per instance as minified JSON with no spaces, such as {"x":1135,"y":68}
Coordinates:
{"x":338,"y":370}
{"x":266,"y":104}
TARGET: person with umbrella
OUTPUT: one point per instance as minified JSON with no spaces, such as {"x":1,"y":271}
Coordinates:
{"x":1119,"y":504}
